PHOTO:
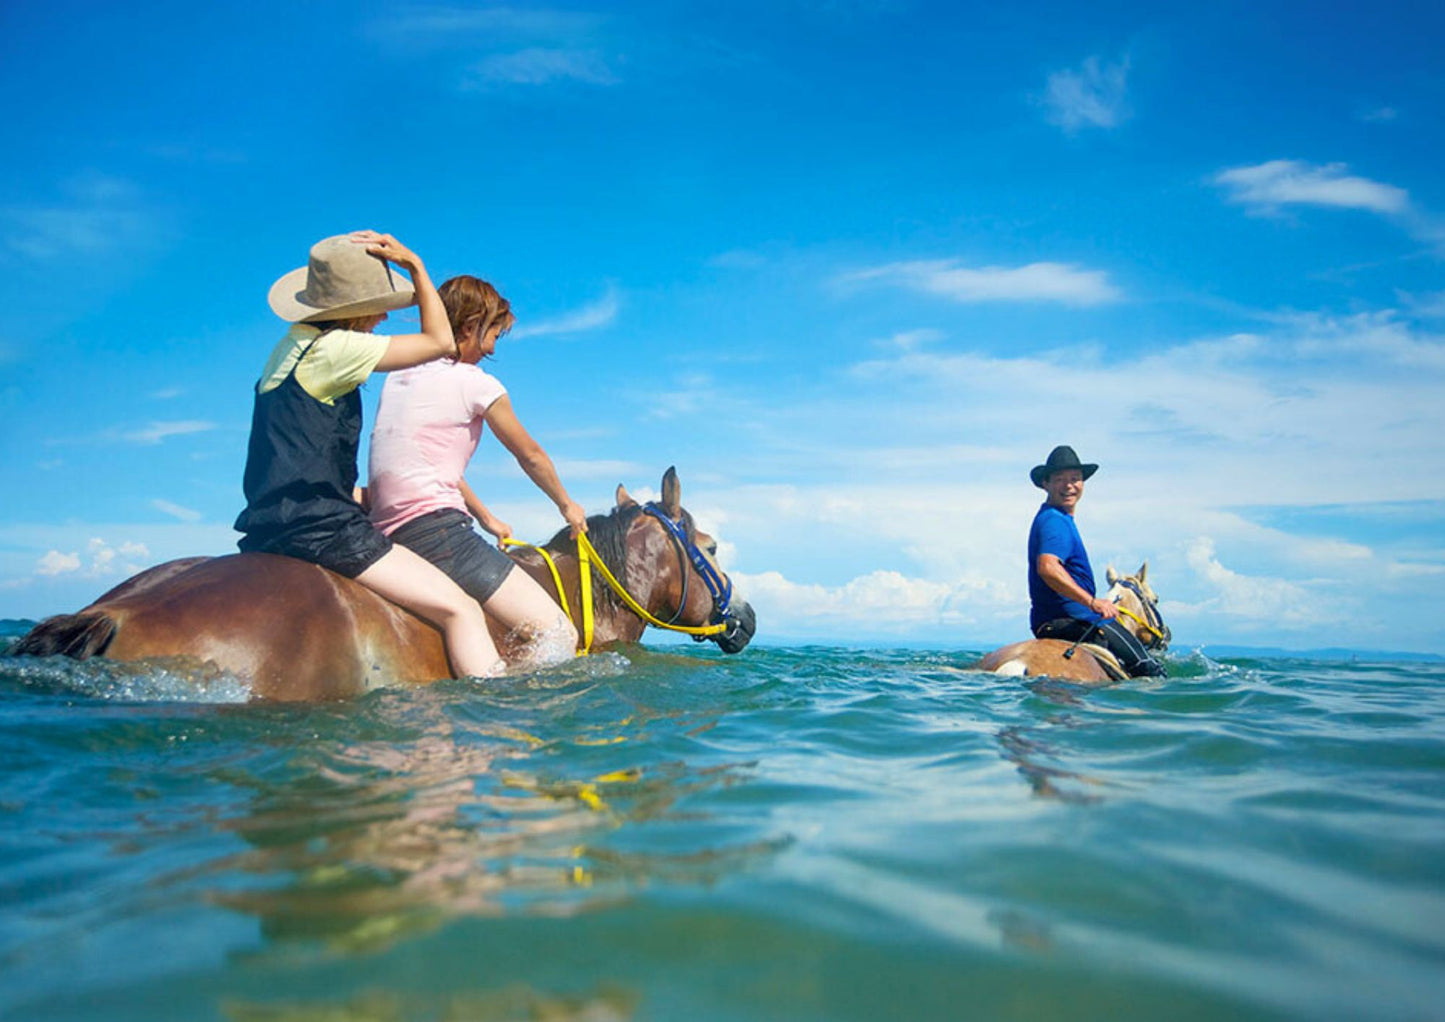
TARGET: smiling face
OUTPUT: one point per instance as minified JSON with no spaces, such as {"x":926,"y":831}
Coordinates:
{"x":1064,"y":488}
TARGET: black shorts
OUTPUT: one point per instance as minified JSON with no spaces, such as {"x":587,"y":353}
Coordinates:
{"x":342,"y":542}
{"x":1112,"y":635}
{"x":447,"y":539}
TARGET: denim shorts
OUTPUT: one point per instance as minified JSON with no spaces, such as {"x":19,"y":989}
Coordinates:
{"x":447,"y":539}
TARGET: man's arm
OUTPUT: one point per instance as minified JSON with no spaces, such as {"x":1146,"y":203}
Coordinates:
{"x":1057,"y":578}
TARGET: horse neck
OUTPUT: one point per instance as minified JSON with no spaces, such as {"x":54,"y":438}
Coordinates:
{"x":611,"y":621}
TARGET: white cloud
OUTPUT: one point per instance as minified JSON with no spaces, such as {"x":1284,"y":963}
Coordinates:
{"x":183,"y":514}
{"x":541,"y":66}
{"x":599,"y":314}
{"x":1380,"y":115}
{"x":616,"y":471}
{"x":1267,"y":186}
{"x":1270,"y":602}
{"x":104,"y":559}
{"x":442,"y":24}
{"x":95,"y":215}
{"x":909,"y":340}
{"x":519,"y":46}
{"x":155,"y":432}
{"x":1094,"y":96}
{"x":1425,"y":306}
{"x":56,"y":563}
{"x":877,"y":604}
{"x":55,"y":567}
{"x":1044,"y":281}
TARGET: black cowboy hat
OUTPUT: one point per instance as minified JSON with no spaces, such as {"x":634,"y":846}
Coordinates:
{"x":1060,"y":458}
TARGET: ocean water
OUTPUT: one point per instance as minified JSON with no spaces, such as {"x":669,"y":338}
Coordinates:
{"x":665,"y":833}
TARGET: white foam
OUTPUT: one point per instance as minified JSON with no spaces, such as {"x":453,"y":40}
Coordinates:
{"x":163,"y":679}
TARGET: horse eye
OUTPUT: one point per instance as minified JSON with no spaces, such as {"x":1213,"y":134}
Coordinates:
{"x":712,"y":548}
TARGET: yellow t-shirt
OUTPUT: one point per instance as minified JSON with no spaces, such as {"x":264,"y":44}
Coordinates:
{"x":336,"y":364}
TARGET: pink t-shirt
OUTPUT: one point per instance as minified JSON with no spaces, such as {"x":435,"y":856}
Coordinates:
{"x":427,"y":426}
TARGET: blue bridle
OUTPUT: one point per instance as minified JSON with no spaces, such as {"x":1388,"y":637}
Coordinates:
{"x":718,"y":585}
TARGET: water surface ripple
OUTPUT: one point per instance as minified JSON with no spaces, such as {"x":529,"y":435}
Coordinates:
{"x":794,"y":833}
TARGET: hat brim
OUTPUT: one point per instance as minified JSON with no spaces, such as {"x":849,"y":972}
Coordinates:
{"x":285,"y":301}
{"x":1039,"y":473}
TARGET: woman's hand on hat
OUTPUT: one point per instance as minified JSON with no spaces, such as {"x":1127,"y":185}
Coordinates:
{"x":388,"y":248}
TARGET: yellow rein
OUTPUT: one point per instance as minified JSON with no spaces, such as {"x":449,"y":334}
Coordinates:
{"x":1139,"y":621}
{"x":588,"y":558}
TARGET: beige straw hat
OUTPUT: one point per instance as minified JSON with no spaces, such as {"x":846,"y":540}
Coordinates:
{"x":341,"y":280}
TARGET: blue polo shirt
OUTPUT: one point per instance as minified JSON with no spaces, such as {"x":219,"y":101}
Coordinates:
{"x":1054,"y":532}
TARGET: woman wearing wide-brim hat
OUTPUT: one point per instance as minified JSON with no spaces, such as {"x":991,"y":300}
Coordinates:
{"x":301,"y":463}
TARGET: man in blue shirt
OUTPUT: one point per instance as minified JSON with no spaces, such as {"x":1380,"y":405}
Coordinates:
{"x":1061,"y":580}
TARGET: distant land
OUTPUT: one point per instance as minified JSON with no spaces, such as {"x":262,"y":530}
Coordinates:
{"x":1329,"y":653}
{"x":1212,"y":650}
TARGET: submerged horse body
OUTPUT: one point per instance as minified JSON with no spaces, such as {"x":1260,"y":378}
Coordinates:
{"x":294,"y":630}
{"x":1083,"y":662}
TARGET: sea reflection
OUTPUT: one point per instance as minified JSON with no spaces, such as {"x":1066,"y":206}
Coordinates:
{"x":359,"y":844}
{"x":607,"y":1004}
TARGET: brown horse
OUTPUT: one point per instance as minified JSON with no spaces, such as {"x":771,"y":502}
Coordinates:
{"x":293,"y":630}
{"x":1083,"y":662}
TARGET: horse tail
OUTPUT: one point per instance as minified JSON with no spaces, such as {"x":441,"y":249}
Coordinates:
{"x":78,"y":636}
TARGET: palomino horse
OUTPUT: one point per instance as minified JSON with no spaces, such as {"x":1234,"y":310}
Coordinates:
{"x":1090,"y":664}
{"x":296,"y":631}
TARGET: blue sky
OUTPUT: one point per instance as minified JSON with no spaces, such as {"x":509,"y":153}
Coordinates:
{"x":853,"y":267}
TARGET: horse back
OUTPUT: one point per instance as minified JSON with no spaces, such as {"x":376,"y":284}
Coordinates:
{"x":1035,"y":657}
{"x":292,"y":629}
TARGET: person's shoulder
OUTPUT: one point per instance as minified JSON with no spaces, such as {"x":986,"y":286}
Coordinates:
{"x":351,"y":339}
{"x":480,"y":382}
{"x":477,"y":373}
{"x":341,"y":362}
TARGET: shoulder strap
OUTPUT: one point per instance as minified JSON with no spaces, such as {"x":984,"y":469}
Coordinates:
{"x":310,"y":344}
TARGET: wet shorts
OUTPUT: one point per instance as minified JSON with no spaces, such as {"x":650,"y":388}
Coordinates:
{"x":347,"y":544}
{"x":447,"y":539}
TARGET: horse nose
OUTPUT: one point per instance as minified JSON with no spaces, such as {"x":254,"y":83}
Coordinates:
{"x":742,"y":623}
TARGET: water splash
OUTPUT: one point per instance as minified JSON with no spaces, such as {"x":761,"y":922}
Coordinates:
{"x":163,"y":679}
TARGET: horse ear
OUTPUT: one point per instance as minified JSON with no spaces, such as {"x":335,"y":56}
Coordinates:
{"x":671,"y":493}
{"x":1143,"y":571}
{"x":1111,"y":574}
{"x":624,"y":499}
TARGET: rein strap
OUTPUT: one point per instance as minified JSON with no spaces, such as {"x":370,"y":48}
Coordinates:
{"x":587,"y":559}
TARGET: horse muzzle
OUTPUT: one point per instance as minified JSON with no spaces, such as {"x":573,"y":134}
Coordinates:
{"x":741,"y":624}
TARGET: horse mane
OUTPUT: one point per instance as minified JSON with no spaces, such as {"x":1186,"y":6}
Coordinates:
{"x":608,"y":534}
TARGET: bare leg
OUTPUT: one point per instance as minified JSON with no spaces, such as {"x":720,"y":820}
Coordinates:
{"x":521,"y":605}
{"x":413,"y":582}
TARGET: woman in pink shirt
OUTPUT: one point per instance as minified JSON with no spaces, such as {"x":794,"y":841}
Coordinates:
{"x":427,"y":427}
